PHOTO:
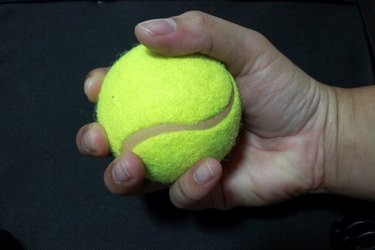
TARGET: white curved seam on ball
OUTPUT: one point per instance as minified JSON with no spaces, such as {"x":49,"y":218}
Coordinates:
{"x":146,"y":133}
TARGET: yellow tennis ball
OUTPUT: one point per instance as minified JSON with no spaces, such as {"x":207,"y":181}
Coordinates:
{"x":170,"y":111}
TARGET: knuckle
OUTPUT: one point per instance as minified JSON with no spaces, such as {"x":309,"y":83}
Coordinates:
{"x":199,"y":18}
{"x":202,"y":25}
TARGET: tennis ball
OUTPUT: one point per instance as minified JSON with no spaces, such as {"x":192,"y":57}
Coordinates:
{"x":170,"y":111}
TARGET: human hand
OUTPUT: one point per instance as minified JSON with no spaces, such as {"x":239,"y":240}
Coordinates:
{"x":281,"y":149}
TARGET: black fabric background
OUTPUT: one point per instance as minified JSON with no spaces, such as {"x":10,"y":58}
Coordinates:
{"x":53,"y":198}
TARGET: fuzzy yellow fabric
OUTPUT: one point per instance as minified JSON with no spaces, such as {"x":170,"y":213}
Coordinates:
{"x":173,"y":111}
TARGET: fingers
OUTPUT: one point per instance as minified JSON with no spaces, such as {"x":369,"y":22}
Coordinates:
{"x":125,"y":176}
{"x":93,"y":83}
{"x":91,"y":140}
{"x":197,"y":32}
{"x":198,"y":187}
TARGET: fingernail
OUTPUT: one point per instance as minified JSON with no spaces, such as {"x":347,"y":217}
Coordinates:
{"x":203,"y":173}
{"x":87,"y":141}
{"x":120,"y":173}
{"x":159,"y":27}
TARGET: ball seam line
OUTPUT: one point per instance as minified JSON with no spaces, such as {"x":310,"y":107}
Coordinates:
{"x":146,"y":133}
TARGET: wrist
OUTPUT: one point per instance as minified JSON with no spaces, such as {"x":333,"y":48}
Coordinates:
{"x":325,"y":137}
{"x":329,"y":162}
{"x":349,"y":162}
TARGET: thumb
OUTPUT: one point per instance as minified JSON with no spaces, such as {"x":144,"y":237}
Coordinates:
{"x":196,"y":32}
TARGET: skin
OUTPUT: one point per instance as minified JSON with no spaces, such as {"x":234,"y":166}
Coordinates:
{"x":299,"y":136}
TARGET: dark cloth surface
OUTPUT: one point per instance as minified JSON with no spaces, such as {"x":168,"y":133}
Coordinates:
{"x":53,"y":198}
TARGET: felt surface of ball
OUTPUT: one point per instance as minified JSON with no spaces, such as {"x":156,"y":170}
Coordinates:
{"x":170,"y":111}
